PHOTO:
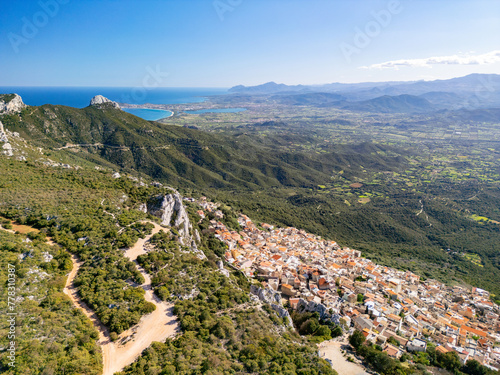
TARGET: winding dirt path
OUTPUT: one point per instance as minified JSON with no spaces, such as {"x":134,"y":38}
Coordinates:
{"x":156,"y":326}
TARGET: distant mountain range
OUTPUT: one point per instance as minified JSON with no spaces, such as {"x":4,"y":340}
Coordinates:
{"x":472,"y":91}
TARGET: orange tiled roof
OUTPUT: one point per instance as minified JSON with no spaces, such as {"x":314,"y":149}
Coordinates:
{"x":442,"y":349}
{"x":394,"y":317}
{"x":474,"y":331}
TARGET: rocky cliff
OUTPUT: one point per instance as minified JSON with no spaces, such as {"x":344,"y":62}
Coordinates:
{"x":170,"y":209}
{"x":11,"y":103}
{"x":322,"y":310}
{"x":172,"y":212}
{"x":100,"y":101}
{"x":272,"y":298}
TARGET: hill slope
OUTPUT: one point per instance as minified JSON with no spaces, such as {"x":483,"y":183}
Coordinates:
{"x":257,"y":169}
{"x":176,"y":155}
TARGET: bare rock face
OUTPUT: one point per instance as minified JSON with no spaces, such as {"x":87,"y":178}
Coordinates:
{"x":11,"y":103}
{"x":172,"y":212}
{"x":3,"y":135}
{"x":170,"y":209}
{"x":102,"y":102}
{"x":272,"y":298}
{"x":6,"y":147}
{"x":324,"y":313}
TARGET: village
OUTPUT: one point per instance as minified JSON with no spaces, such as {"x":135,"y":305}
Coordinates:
{"x":388,"y":306}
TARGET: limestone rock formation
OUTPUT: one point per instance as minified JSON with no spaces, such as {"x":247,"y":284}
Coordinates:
{"x":102,"y":102}
{"x":172,"y":212}
{"x":3,"y":135}
{"x":324,"y":314}
{"x":197,"y":235}
{"x":11,"y":103}
{"x":170,"y":209}
{"x":143,"y":207}
{"x":272,"y":298}
{"x":6,"y":146}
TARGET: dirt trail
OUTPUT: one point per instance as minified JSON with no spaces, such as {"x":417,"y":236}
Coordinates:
{"x":156,"y":326}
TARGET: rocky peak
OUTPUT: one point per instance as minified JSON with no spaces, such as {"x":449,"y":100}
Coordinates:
{"x":11,"y":103}
{"x":100,"y":102}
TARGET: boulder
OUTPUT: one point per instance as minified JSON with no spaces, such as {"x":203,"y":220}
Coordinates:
{"x":7,"y":147}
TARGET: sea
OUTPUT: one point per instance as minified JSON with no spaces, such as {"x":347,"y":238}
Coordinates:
{"x":79,"y":97}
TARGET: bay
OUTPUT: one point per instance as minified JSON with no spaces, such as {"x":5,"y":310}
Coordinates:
{"x":148,"y":114}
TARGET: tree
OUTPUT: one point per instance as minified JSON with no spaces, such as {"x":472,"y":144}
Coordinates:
{"x":324,"y":331}
{"x":357,"y":339}
{"x":473,"y":367}
{"x":450,"y":361}
{"x":337,"y":331}
{"x":309,"y":327}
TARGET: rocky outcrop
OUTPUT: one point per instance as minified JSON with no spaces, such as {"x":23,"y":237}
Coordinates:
{"x":11,"y":103}
{"x":222,"y":269}
{"x":162,"y":207}
{"x":197,"y":251}
{"x":172,"y":212}
{"x":6,"y":146}
{"x":170,"y":209}
{"x":272,"y":298}
{"x":322,"y":310}
{"x":143,"y":207}
{"x":197,"y":235}
{"x":267,"y":295}
{"x":100,"y":101}
{"x":3,"y":135}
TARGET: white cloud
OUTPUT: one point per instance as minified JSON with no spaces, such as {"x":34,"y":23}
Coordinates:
{"x":468,"y":59}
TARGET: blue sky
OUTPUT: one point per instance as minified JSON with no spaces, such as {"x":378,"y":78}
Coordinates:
{"x":221,"y":43}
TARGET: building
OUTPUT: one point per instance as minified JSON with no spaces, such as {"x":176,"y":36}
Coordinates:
{"x":416,"y":345}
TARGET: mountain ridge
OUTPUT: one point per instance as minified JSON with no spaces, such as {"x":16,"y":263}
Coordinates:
{"x":178,"y":154}
{"x":469,"y":89}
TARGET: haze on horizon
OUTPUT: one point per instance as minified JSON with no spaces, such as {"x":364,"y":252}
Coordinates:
{"x":223,"y":43}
